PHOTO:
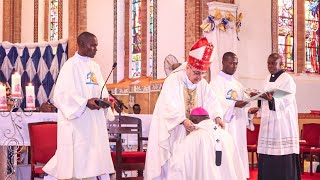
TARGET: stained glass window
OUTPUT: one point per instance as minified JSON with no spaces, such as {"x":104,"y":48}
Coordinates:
{"x":136,"y":39}
{"x":312,"y":35}
{"x":53,"y":20}
{"x":285,"y":32}
{"x":151,"y":36}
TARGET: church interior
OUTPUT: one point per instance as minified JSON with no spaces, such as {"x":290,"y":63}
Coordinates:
{"x":147,"y":39}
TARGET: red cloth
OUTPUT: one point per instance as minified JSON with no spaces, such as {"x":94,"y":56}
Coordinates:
{"x":130,"y":157}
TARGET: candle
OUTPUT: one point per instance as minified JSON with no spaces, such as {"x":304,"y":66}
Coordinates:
{"x":3,"y":97}
{"x":16,"y":85}
{"x":30,"y":97}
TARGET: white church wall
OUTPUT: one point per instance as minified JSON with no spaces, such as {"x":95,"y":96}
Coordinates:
{"x":27,"y":21}
{"x":1,"y":17}
{"x":254,"y":48}
{"x":170,"y":29}
{"x":100,"y":23}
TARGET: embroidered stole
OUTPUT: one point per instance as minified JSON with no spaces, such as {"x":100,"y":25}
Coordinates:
{"x":190,"y":100}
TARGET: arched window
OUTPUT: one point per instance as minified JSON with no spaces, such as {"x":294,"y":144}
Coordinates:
{"x":53,"y":20}
{"x":312,"y":36}
{"x":47,"y":20}
{"x":151,"y":37}
{"x":286,"y":33}
{"x":295,"y":34}
{"x":136,"y":39}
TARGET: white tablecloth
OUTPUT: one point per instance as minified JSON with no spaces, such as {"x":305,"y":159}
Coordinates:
{"x":8,"y":133}
{"x":146,"y":121}
{"x":20,"y":135}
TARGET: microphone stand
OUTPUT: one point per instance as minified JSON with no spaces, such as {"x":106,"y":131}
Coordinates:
{"x":100,"y":102}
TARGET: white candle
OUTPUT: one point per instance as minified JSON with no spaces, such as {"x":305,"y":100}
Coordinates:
{"x":30,"y":96}
{"x":3,"y":97}
{"x":16,"y":85}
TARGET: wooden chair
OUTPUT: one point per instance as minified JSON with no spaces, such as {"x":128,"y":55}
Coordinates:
{"x":43,"y":145}
{"x":311,"y":134}
{"x":252,"y":142}
{"x":131,"y":160}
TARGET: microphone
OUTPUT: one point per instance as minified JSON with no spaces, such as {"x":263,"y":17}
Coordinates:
{"x":120,"y":103}
{"x":100,"y":102}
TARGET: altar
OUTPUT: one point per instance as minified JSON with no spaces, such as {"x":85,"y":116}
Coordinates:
{"x":14,"y":133}
{"x":14,"y":129}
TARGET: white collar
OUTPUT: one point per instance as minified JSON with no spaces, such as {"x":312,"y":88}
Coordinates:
{"x":83,"y":58}
{"x":226,"y":76}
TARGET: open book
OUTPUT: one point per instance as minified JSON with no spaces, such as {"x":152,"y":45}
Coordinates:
{"x":277,"y":93}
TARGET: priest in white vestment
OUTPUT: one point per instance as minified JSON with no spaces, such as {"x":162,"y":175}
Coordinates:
{"x":278,"y":144}
{"x":83,"y":147}
{"x":231,"y":94}
{"x":183,"y":90}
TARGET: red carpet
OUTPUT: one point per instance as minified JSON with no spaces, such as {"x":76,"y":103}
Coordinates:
{"x":305,"y":176}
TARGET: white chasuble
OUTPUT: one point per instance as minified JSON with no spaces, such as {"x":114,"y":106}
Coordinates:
{"x":83,"y":146}
{"x":166,"y":130}
{"x":229,"y":90}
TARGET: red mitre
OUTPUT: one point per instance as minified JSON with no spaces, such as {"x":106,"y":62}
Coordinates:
{"x":200,"y":54}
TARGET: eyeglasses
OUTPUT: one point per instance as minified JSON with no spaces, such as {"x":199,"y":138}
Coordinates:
{"x":198,"y":73}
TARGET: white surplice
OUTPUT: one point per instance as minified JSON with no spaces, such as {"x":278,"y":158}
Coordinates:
{"x":195,"y":156}
{"x":166,"y":129}
{"x":228,"y":90}
{"x":279,"y":131}
{"x":83,"y":147}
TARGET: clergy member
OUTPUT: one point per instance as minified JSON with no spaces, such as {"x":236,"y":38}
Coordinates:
{"x":183,"y":90}
{"x":82,"y":149}
{"x":231,"y":95}
{"x":278,"y":144}
{"x":207,"y":153}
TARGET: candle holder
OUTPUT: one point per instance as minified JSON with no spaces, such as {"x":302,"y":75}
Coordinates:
{"x":13,"y":137}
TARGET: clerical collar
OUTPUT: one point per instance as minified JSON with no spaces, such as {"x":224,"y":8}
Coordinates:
{"x":188,"y":83}
{"x":226,"y":76}
{"x":83,"y":58}
{"x":275,"y":76}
